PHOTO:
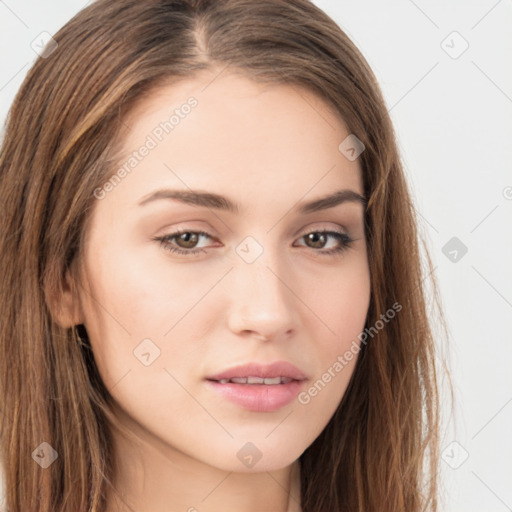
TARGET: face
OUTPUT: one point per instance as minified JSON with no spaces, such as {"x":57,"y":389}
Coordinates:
{"x":181,"y":290}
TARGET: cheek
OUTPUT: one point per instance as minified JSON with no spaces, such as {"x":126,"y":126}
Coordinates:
{"x":143,"y":297}
{"x":133,"y":309}
{"x":342,"y":302}
{"x":342,"y":305}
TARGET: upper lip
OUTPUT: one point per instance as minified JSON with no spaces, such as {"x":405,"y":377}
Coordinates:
{"x":277,"y":369}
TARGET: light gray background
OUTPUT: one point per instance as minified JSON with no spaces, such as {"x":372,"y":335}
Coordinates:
{"x":453,"y":118}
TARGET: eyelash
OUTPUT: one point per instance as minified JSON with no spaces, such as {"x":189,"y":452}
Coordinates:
{"x":345,"y":240}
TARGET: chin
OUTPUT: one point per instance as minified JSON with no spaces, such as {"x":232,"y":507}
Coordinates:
{"x":256,"y":456}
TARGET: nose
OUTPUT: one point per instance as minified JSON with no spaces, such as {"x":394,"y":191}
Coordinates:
{"x":262,"y":301}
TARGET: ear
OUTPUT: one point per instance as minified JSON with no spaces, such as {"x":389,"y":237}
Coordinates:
{"x":66,"y":307}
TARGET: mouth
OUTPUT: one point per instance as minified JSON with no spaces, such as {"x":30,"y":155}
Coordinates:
{"x":259,"y":388}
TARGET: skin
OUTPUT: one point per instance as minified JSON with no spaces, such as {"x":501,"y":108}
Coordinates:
{"x":266,"y":147}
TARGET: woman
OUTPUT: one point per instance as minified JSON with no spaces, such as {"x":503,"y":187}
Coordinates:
{"x":212,"y":294}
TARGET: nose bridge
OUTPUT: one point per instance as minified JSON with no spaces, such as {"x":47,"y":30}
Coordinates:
{"x":261,"y":300}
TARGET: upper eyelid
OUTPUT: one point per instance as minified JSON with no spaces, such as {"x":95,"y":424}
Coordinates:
{"x":339,"y":228}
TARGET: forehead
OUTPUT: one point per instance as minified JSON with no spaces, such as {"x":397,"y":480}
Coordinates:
{"x":225,"y":131}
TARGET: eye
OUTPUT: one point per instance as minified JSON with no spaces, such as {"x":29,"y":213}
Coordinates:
{"x":318,"y":240}
{"x":185,"y":242}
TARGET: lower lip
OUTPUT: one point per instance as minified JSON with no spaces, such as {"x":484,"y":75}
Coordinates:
{"x":258,"y":397}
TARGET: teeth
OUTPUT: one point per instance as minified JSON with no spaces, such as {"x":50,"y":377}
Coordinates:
{"x":275,"y":380}
{"x":239,"y":380}
{"x":257,"y":380}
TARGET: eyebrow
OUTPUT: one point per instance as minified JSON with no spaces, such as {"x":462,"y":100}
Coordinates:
{"x":218,"y":202}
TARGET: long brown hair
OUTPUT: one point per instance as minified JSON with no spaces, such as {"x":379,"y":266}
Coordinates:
{"x":379,"y":452}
